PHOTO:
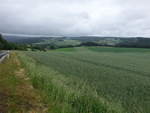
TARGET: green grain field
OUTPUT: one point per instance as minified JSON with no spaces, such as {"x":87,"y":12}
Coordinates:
{"x":92,"y":80}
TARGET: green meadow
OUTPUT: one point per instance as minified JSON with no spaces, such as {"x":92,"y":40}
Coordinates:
{"x":91,"y":79}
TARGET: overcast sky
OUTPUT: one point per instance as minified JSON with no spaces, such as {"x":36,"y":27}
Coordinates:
{"x":76,"y":17}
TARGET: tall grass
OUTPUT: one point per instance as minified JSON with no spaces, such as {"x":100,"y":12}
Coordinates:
{"x":66,"y":94}
{"x":120,"y":75}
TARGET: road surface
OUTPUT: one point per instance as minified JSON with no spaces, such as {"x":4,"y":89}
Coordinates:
{"x":3,"y":55}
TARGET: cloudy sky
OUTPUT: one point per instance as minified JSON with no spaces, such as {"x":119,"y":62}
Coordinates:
{"x":75,"y":17}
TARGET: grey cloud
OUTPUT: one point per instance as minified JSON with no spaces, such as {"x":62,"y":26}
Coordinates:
{"x":76,"y":17}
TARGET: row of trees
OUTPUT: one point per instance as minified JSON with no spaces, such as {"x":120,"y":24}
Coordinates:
{"x":138,"y":43}
{"x":5,"y":45}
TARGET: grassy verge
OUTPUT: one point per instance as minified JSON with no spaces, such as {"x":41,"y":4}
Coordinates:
{"x":66,"y":94}
{"x":16,"y":92}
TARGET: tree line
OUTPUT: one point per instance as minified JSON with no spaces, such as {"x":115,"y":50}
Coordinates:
{"x":5,"y":45}
{"x":138,"y":43}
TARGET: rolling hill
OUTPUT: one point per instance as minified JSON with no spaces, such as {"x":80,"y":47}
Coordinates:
{"x":140,"y":42}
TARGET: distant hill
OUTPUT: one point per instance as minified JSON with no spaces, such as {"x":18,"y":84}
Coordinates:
{"x":77,"y":41}
{"x":24,"y":39}
{"x":116,"y":41}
